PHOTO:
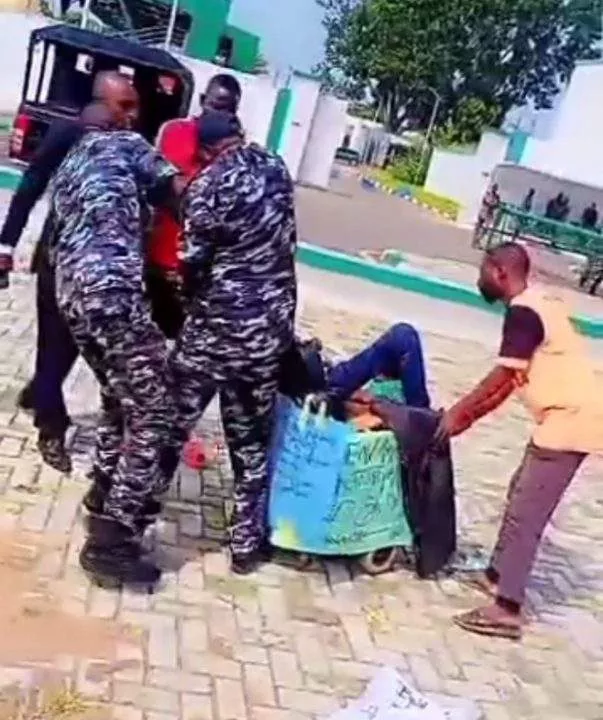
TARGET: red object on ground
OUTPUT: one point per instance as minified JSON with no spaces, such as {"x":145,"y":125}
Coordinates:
{"x":194,"y":455}
{"x":178,"y":143}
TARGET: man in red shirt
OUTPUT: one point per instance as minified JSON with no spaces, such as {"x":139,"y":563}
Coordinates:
{"x":178,"y":143}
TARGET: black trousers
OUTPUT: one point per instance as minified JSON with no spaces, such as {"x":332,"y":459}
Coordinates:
{"x":56,"y":351}
{"x":167,"y":310}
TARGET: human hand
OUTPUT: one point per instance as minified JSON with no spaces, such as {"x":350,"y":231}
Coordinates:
{"x":452,"y":422}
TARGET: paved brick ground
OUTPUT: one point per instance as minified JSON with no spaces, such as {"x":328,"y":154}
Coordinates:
{"x":286,"y":646}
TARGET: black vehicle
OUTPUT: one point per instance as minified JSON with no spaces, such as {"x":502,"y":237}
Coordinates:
{"x":61,"y":65}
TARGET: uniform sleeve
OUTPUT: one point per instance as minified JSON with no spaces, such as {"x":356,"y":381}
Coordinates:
{"x":523,"y":332}
{"x":152,"y":169}
{"x":201,"y":228}
{"x":51,"y":153}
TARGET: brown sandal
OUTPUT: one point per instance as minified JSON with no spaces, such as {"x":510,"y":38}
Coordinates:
{"x":476,"y":622}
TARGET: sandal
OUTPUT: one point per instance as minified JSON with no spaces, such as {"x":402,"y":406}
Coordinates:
{"x":476,"y":581}
{"x":476,"y":622}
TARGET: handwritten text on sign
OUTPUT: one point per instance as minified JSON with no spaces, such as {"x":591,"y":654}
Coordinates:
{"x":367,"y":505}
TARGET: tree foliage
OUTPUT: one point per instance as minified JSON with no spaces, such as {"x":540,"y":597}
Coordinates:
{"x":499,"y":53}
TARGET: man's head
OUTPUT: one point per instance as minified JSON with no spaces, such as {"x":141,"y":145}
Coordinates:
{"x":504,"y":272}
{"x":218,"y":131}
{"x":223,"y":92}
{"x":116,"y":93}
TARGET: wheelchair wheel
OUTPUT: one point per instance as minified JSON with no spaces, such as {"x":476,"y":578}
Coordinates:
{"x":379,"y":561}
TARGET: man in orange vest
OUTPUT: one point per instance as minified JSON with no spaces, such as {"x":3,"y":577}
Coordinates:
{"x":543,"y":357}
{"x":178,"y":143}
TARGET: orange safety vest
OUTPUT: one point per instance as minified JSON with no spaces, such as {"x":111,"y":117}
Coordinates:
{"x":178,"y":143}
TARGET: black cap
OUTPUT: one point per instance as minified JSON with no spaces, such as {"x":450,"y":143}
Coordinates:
{"x":217,"y":125}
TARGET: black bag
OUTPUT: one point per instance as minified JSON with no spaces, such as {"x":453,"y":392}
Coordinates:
{"x":429,"y":488}
{"x":302,"y":370}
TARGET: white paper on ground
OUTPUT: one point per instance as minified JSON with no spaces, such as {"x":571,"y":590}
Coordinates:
{"x":390,"y":696}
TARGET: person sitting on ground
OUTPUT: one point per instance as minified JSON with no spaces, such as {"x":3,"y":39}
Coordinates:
{"x":397,"y":354}
{"x":543,"y":356}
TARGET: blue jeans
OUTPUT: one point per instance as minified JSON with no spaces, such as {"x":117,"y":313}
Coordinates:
{"x":396,"y":354}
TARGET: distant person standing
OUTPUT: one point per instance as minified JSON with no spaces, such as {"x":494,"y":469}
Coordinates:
{"x":554,"y":208}
{"x":490,"y":204}
{"x":590,"y":217}
{"x":528,"y":201}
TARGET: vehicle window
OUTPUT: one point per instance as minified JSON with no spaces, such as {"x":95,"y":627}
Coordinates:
{"x":84,"y":63}
{"x":40,"y":74}
{"x":166,"y":84}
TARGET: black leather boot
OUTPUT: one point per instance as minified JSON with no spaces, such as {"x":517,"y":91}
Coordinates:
{"x":112,"y":556}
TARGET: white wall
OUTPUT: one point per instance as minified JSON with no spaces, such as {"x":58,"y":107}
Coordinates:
{"x":465,"y":177}
{"x":257,"y":102}
{"x":305,"y":96}
{"x":575,"y":151}
{"x":15,"y":29}
{"x":325,"y":137}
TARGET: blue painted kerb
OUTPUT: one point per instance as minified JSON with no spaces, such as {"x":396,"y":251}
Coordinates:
{"x":343,"y":264}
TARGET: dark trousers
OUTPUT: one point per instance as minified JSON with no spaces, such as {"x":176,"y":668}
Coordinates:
{"x":56,"y":353}
{"x":396,"y":354}
{"x":534,"y":493}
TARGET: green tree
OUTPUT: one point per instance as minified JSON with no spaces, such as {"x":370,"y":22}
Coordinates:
{"x":499,"y":52}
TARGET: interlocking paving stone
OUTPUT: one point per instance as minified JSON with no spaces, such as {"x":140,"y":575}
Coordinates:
{"x":281,"y":645}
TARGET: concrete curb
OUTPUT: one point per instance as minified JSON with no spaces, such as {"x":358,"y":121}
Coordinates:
{"x":367,"y":269}
{"x":404,"y":279}
{"x":370,"y":184}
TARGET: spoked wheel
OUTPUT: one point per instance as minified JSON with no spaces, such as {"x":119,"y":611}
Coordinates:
{"x":379,"y":561}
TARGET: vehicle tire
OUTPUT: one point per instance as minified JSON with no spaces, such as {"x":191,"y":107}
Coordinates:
{"x":379,"y":561}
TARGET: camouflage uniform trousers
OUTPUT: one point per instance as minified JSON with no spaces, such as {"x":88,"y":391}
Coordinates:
{"x":128,"y":355}
{"x":241,"y":361}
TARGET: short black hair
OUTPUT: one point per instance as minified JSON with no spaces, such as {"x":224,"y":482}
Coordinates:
{"x":227,"y":82}
{"x":511,"y":256}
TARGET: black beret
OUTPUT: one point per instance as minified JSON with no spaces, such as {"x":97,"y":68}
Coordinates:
{"x":217,"y":125}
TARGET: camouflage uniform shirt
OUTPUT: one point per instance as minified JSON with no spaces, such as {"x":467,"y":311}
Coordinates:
{"x":239,"y":246}
{"x":100,"y":202}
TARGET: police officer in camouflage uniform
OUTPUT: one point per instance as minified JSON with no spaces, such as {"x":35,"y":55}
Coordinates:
{"x":240,"y":239}
{"x":99,"y":200}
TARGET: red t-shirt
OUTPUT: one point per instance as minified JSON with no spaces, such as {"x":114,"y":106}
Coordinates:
{"x":177,"y":142}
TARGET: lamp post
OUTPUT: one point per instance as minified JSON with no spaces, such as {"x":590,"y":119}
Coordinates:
{"x":432,"y":121}
{"x":171,"y":25}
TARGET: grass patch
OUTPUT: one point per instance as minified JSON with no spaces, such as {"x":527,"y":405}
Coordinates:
{"x":444,"y":205}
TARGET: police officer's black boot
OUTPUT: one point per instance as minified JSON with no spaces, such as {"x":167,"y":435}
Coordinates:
{"x":112,"y":556}
{"x":94,"y":499}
